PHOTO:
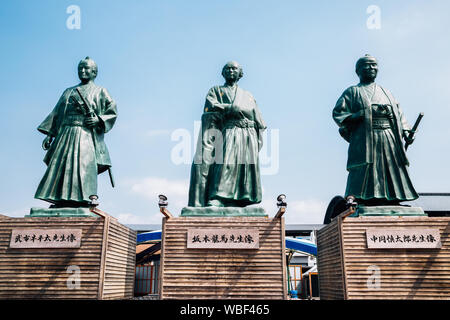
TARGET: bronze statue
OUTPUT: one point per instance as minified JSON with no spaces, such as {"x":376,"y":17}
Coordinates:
{"x":76,"y":151}
{"x":225,"y":172}
{"x":371,"y":120}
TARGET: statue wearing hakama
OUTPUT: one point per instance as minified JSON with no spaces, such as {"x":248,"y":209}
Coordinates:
{"x":76,"y":151}
{"x":226,"y":170}
{"x":371,"y":120}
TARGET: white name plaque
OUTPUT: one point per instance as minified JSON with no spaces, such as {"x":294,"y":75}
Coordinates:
{"x":220,"y":238}
{"x":389,"y":238}
{"x":45,"y":238}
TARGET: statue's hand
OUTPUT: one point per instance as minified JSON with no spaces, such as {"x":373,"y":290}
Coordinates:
{"x":408,"y":140}
{"x":92,"y":122}
{"x":47,"y":142}
{"x":387,"y":108}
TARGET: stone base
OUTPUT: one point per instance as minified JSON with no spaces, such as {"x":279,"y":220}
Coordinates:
{"x":61,"y":212}
{"x":223,"y":212}
{"x":362,"y":211}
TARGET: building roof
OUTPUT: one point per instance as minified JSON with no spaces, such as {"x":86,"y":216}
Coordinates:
{"x":143,"y":246}
{"x":146,"y":253}
{"x":303,"y":227}
{"x":144,"y":227}
{"x":432,"y":202}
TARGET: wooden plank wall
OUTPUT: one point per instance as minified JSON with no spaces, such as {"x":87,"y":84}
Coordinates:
{"x":329,"y":262}
{"x":42,"y":273}
{"x":120,"y":262}
{"x":404,"y":274}
{"x":223,"y":273}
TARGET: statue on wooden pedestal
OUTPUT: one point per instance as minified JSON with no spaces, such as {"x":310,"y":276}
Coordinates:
{"x":76,"y":151}
{"x":225,"y":171}
{"x":371,"y":120}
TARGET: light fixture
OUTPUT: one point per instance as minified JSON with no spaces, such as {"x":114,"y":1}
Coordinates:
{"x":281,"y":201}
{"x":93,"y":199}
{"x":162,"y":203}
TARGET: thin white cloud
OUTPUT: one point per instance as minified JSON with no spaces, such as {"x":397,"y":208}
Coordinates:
{"x":129,"y":218}
{"x":175,"y":190}
{"x":414,"y":19}
{"x":308,"y":211}
{"x":19,"y":213}
{"x":153,"y":186}
{"x":157,"y":133}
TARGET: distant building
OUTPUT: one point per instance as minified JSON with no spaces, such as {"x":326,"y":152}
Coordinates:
{"x":434,"y":204}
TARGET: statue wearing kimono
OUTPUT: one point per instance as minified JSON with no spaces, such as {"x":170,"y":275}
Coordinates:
{"x":371,"y":120}
{"x":76,"y":151}
{"x":225,"y":172}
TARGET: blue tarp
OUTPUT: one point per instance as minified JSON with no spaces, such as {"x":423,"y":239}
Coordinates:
{"x":291,"y":243}
{"x":148,"y":236}
{"x":301,"y":245}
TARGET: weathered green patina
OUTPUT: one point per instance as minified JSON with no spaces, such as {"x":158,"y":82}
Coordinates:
{"x":76,"y":151}
{"x":362,"y":210}
{"x":223,"y":212}
{"x":225,"y":171}
{"x":371,"y":120}
{"x":62,"y":212}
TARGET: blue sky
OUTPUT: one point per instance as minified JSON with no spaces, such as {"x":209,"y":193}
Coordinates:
{"x":159,"y":58}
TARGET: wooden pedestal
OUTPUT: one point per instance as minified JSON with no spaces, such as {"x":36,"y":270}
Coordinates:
{"x":188,"y":273}
{"x":102,"y":267}
{"x":348,"y":269}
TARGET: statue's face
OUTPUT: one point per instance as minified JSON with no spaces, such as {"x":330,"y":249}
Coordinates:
{"x":368,"y":70}
{"x":86,"y":71}
{"x":231,"y":71}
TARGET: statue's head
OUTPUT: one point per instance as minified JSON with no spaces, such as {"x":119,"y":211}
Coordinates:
{"x":367,"y":68}
{"x":87,"y":69}
{"x":232,"y":71}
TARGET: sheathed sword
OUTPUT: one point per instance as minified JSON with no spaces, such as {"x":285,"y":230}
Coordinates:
{"x":413,"y":130}
{"x":90,"y":113}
